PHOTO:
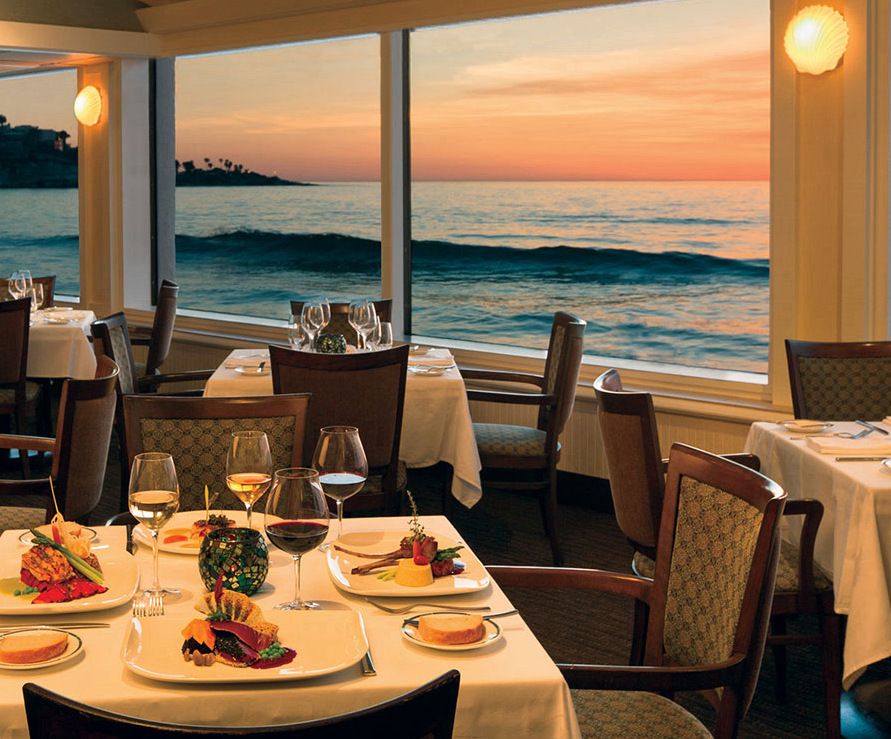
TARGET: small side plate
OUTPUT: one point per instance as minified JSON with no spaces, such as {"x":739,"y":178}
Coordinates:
{"x":255,"y":371}
{"x":803,"y":426}
{"x":75,"y":645}
{"x":492,"y":635}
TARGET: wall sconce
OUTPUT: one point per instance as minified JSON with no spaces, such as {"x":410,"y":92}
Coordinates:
{"x":816,"y":39}
{"x":88,"y":106}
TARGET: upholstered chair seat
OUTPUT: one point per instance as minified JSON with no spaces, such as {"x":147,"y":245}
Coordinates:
{"x":518,"y":441}
{"x":374,"y":483}
{"x":634,"y":714}
{"x":32,"y":392}
{"x":19,"y":517}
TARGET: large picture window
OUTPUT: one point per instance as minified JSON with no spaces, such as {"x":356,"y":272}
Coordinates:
{"x":38,"y":179}
{"x":611,"y":162}
{"x":278,"y":176}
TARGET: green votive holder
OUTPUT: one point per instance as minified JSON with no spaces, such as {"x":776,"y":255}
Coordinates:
{"x":331,"y":344}
{"x":240,"y":554}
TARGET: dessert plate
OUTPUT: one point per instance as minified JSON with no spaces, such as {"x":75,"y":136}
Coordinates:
{"x":75,"y":645}
{"x":803,"y":426}
{"x":325,"y":641}
{"x":473,"y":578}
{"x":492,"y":635}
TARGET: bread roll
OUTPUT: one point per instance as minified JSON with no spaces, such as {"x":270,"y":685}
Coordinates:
{"x":35,"y":646}
{"x":451,"y":628}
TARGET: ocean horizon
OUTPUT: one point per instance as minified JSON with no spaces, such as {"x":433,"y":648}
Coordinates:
{"x":670,"y":272}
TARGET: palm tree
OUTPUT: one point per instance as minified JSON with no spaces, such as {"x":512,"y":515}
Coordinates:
{"x":189,"y":166}
{"x":178,"y":165}
{"x":208,"y":162}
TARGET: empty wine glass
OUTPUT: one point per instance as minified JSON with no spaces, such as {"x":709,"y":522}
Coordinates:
{"x":311,"y":318}
{"x":18,"y":284}
{"x":386,"y":335}
{"x":340,"y":461}
{"x":153,"y":498}
{"x":326,"y":312}
{"x":297,"y":336}
{"x":361,"y":317}
{"x":37,"y":296}
{"x":248,"y":467}
{"x":296,"y":521}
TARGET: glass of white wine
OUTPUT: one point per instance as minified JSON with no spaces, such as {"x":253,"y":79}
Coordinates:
{"x":153,"y":499}
{"x":249,"y":467}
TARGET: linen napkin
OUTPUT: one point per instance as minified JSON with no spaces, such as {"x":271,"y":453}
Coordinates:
{"x":873,"y":445}
{"x":246,"y":358}
{"x":433,"y":358}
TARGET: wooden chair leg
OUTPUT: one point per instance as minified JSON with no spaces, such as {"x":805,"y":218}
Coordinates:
{"x":21,"y":428}
{"x":550,"y":517}
{"x":831,"y":626}
{"x":778,"y":628}
{"x":639,"y":635}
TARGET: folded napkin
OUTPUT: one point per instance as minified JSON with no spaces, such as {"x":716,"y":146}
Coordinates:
{"x":433,"y":358}
{"x":873,"y":445}
{"x":246,"y":358}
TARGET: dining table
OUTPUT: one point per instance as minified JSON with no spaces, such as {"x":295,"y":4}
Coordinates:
{"x":852,"y":480}
{"x":436,"y":423}
{"x":509,"y":688}
{"x":59,"y":344}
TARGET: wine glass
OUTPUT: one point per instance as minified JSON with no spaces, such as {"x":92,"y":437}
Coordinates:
{"x":326,"y":312}
{"x":340,"y":461}
{"x":297,"y":337}
{"x":374,"y":336}
{"x":386,"y":336}
{"x":296,"y":521}
{"x":153,"y":499}
{"x":311,"y":318}
{"x":248,"y":467}
{"x":17,"y":285}
{"x":37,"y":296}
{"x":361,"y":317}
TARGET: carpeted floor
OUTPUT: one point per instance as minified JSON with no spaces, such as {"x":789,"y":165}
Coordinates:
{"x":505,"y":528}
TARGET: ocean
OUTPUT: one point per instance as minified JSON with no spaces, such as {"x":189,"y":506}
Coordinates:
{"x":672,"y":272}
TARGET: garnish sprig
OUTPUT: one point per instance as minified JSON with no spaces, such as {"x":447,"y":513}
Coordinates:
{"x":417,"y":529}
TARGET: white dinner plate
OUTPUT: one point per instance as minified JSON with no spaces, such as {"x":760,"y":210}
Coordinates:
{"x":27,"y":538}
{"x":75,"y":645}
{"x":492,"y":635}
{"x":121,"y":578}
{"x":473,"y":578}
{"x":325,"y":642}
{"x":886,"y":465}
{"x":803,"y":426}
{"x":253,"y":371}
{"x":184,"y":520}
{"x":429,"y":369}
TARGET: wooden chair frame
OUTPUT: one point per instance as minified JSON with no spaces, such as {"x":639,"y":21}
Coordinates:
{"x":18,"y":409}
{"x":159,"y":338}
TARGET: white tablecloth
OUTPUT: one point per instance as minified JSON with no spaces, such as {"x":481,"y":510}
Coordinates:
{"x":509,"y":690}
{"x":436,"y":425}
{"x":61,"y":349}
{"x":854,"y":539}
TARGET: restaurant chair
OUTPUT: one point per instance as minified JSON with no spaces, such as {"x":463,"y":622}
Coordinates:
{"x":18,"y":395}
{"x":365,"y":390}
{"x":425,"y":713}
{"x":840,"y":380}
{"x":49,"y":287}
{"x":339,"y":323}
{"x":505,"y":449}
{"x":159,"y":337}
{"x":637,"y":481}
{"x":708,"y":605}
{"x":111,"y":338}
{"x":196,"y":432}
{"x":80,"y":454}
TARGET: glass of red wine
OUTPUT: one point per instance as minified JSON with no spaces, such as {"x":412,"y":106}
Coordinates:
{"x":342,"y":466}
{"x":296,"y":521}
{"x":248,"y":468}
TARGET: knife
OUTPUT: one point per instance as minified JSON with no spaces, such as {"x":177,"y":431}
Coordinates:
{"x":414,"y":620}
{"x":873,"y":427}
{"x":79,"y":625}
{"x":861,"y":459}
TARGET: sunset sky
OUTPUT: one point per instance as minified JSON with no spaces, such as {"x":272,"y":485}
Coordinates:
{"x":662,"y":90}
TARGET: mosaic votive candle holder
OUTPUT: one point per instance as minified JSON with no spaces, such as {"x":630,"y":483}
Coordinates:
{"x":331,"y":344}
{"x":241,"y":556}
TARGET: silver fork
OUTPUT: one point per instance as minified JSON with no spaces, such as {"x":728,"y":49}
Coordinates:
{"x":406,"y":609}
{"x":148,"y":604}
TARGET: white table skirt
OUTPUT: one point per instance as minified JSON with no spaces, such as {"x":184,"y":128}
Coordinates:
{"x":854,"y":539}
{"x":509,"y":690}
{"x":61,"y":350}
{"x":436,"y":424}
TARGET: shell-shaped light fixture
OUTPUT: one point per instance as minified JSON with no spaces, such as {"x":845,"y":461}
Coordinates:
{"x":816,"y":38}
{"x":88,"y":106}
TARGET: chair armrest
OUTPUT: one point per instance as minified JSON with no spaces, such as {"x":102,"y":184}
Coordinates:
{"x":495,"y":396}
{"x":469,"y":373}
{"x":572,"y":578}
{"x":25,"y":487}
{"x":653,"y":679}
{"x":812,"y":510}
{"x":32,"y":443}
{"x":150,"y":381}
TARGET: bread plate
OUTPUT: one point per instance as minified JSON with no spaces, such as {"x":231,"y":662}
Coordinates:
{"x":27,"y":538}
{"x":493,"y":634}
{"x":803,"y":426}
{"x":325,"y":641}
{"x":75,"y":645}
{"x":473,"y":578}
{"x":121,"y":579}
{"x":184,"y":520}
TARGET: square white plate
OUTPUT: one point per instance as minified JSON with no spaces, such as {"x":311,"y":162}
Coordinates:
{"x":121,"y":579}
{"x":184,"y":520}
{"x":325,"y":641}
{"x":340,"y":563}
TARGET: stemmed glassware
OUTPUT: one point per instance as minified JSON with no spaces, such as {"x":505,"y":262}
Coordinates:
{"x":386,"y":336}
{"x":340,"y":461}
{"x":19,"y":283}
{"x":37,"y":297}
{"x":248,"y":467}
{"x":153,"y":499}
{"x":361,"y":317}
{"x":312,"y":319}
{"x":297,"y":337}
{"x":296,"y":521}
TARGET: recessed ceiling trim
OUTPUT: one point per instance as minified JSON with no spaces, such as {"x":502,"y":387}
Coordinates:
{"x":93,"y":41}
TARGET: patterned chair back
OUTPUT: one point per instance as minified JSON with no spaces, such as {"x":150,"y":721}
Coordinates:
{"x":111,"y":338}
{"x":339,"y":323}
{"x":162,"y":326}
{"x":561,"y":371}
{"x":14,"y":328}
{"x":634,"y":461}
{"x":716,"y":567}
{"x":840,"y":381}
{"x":196,"y":433}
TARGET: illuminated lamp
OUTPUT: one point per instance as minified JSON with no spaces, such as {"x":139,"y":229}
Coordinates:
{"x":816,"y":39}
{"x":88,"y":106}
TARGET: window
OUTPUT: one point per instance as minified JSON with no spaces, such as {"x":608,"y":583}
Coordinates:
{"x":611,"y":162}
{"x":38,"y":178}
{"x":278,"y":176}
